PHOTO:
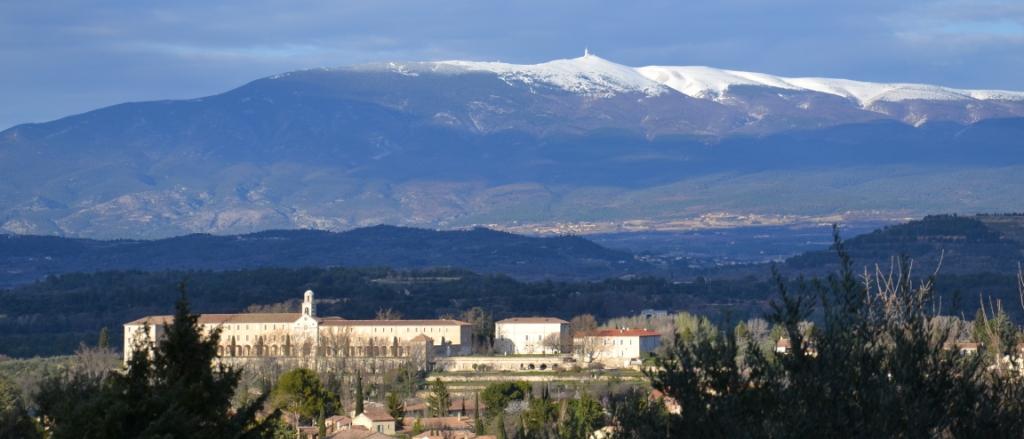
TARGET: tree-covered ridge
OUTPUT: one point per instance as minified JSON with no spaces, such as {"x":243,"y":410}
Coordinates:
{"x":963,"y":244}
{"x":27,"y":258}
{"x":54,"y":315}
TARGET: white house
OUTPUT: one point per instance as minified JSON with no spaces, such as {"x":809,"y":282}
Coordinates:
{"x":376,"y":420}
{"x":532,"y":336}
{"x":617,"y":346}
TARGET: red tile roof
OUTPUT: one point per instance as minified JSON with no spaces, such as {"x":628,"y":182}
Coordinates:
{"x":378,"y":415}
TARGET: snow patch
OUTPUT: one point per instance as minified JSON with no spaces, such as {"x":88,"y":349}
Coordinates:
{"x":588,"y":75}
{"x":708,"y":82}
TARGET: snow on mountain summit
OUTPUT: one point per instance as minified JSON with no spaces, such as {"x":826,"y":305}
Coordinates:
{"x":594,"y":76}
{"x":708,"y":82}
{"x":589,"y":75}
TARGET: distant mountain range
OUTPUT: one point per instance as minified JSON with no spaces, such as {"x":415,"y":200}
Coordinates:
{"x":570,"y":145}
{"x":965,"y":244}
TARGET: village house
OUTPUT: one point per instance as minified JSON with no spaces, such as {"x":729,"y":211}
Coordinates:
{"x":338,"y":423}
{"x":532,"y":336}
{"x":376,"y":420}
{"x":455,"y":426}
{"x":358,"y":433}
{"x":617,"y":347}
{"x":306,"y":335}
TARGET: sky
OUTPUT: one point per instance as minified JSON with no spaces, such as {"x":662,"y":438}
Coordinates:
{"x":64,"y":57}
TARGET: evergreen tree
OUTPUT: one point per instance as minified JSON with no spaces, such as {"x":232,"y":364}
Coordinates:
{"x":417,"y":427}
{"x":300,"y":391}
{"x":439,"y":399}
{"x":359,"y":394}
{"x":540,"y":416}
{"x":172,"y":393}
{"x":875,"y":365}
{"x":396,"y":408}
{"x":15,"y":421}
{"x":478,"y":423}
{"x":104,"y":339}
{"x":497,"y":396}
{"x":582,"y":417}
{"x":321,"y":424}
{"x":499,"y":426}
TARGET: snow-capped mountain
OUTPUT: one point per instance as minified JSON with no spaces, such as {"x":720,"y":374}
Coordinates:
{"x":458,"y":143}
{"x":595,"y":77}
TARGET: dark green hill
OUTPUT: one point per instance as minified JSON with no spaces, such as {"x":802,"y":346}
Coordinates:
{"x":28,"y":258}
{"x":965,"y":244}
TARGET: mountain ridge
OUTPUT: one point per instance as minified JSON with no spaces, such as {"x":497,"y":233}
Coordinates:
{"x":396,"y":144}
{"x":27,"y":258}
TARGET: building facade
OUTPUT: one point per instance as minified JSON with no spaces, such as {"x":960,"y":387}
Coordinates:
{"x":306,"y":335}
{"x":617,"y":347}
{"x":532,"y":336}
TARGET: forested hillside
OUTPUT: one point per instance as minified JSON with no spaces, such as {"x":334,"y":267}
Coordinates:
{"x":28,"y":258}
{"x":54,"y":315}
{"x":964,"y":244}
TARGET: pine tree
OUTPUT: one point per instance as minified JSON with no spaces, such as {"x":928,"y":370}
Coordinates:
{"x":439,"y":399}
{"x":104,"y":339}
{"x":173,"y":392}
{"x":359,"y":394}
{"x":301,"y":392}
{"x":396,"y":409}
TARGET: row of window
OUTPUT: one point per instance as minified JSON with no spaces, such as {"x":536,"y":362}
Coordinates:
{"x":307,"y":350}
{"x":266,"y":327}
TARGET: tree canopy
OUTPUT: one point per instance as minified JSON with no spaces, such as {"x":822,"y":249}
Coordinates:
{"x":877,"y":364}
{"x":173,"y":391}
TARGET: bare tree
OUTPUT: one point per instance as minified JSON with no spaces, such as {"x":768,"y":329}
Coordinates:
{"x":583,"y":324}
{"x":95,"y":362}
{"x":589,"y":347}
{"x":388,"y":314}
{"x":552,"y":343}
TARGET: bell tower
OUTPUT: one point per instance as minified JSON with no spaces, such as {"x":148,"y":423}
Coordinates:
{"x":308,"y":307}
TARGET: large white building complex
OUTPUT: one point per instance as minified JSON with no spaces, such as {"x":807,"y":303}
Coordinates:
{"x":532,"y":336}
{"x":298,"y":335}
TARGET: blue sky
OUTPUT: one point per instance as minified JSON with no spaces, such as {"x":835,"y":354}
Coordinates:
{"x":64,"y":57}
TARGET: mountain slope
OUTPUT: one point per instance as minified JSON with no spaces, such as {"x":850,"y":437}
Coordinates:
{"x":954,"y":244}
{"x":554,"y":146}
